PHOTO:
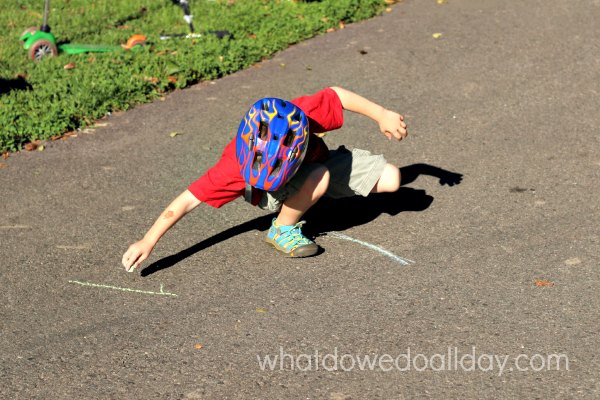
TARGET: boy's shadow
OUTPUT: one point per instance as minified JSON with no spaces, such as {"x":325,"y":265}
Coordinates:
{"x":334,"y":214}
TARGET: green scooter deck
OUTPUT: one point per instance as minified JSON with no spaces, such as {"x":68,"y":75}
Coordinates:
{"x":87,"y":48}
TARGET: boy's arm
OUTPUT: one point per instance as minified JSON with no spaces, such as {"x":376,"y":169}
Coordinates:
{"x":139,"y":251}
{"x":391,"y":124}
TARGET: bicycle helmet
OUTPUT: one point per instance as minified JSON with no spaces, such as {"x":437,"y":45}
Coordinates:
{"x":271,"y":143}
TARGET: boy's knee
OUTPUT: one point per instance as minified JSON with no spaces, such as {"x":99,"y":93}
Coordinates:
{"x":317,"y":182}
{"x":321,"y":177}
{"x":395,"y":177}
{"x":389,"y":180}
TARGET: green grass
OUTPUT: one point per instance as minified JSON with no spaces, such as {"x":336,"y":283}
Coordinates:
{"x":41,"y":100}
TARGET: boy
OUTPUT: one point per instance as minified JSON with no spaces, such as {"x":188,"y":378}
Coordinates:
{"x":337,"y":173}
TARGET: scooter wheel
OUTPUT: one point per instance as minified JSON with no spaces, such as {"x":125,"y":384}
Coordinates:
{"x":31,"y":29}
{"x":42,"y":48}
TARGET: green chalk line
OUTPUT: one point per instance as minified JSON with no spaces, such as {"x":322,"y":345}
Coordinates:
{"x":98,"y":285}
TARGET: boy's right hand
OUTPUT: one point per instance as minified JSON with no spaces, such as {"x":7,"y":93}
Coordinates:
{"x":136,"y":254}
{"x":392,"y":125}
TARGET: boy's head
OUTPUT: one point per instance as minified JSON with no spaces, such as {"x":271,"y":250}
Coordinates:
{"x":271,"y":143}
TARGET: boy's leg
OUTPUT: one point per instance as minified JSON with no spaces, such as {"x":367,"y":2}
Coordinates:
{"x":313,"y":188}
{"x":389,"y":180}
{"x":285,"y":233}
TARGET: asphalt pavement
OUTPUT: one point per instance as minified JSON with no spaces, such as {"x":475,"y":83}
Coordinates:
{"x":484,"y":288}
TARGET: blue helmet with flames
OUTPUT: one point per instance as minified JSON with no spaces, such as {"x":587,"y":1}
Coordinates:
{"x":271,"y":143}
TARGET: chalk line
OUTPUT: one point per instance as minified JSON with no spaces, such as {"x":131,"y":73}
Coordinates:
{"x":98,"y":285}
{"x":401,"y":260}
{"x":14,"y":226}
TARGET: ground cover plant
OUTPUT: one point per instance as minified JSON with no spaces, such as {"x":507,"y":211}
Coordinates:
{"x":41,"y":100}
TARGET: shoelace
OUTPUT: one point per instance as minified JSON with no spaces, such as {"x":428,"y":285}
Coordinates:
{"x":294,"y":235}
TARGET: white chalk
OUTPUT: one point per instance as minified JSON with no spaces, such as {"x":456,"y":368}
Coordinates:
{"x":403,"y":261}
{"x":98,"y":285}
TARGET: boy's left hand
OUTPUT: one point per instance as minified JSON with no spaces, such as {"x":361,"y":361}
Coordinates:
{"x":391,"y":124}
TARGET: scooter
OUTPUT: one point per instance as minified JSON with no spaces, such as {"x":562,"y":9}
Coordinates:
{"x":187,"y":16}
{"x":41,"y":43}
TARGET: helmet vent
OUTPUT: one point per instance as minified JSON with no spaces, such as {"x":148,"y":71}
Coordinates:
{"x":263,"y":130}
{"x":276,"y":167}
{"x":289,"y":138}
{"x":257,"y":161}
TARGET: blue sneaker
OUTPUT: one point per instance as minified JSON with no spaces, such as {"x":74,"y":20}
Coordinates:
{"x":290,"y":240}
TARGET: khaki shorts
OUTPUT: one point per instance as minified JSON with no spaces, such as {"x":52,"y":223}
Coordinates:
{"x":352,"y":172}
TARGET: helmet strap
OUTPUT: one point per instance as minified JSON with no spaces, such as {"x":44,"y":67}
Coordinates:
{"x":248,"y":193}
